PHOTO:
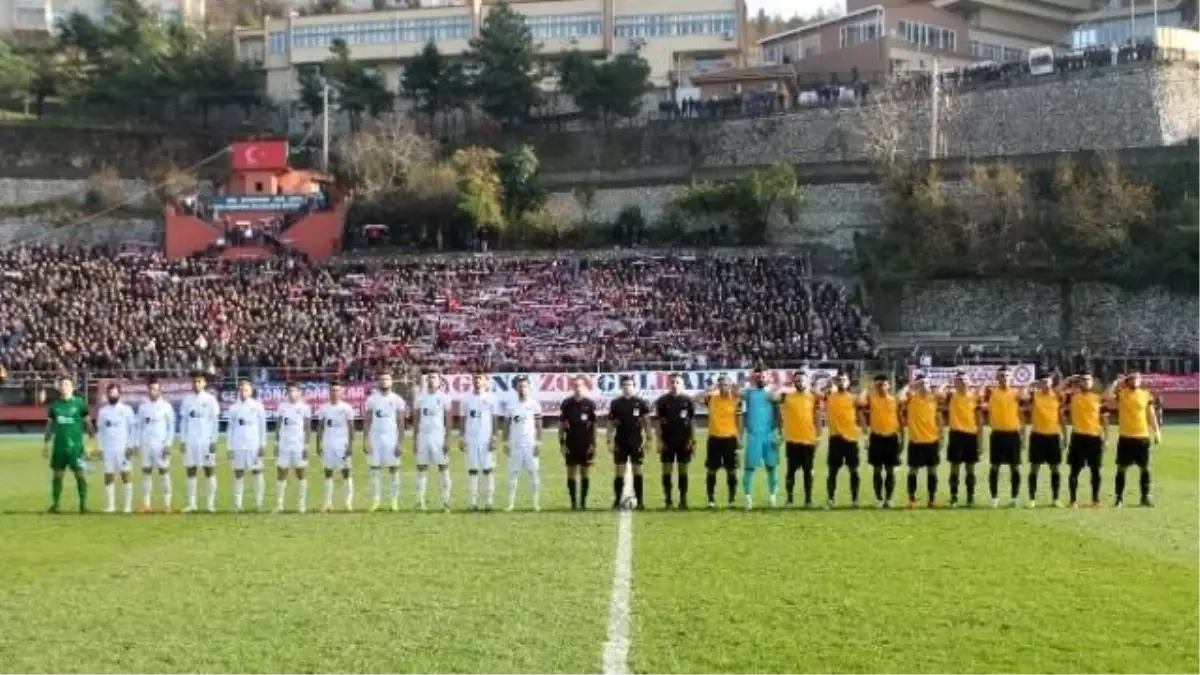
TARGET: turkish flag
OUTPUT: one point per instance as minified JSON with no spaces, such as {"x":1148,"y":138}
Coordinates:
{"x":264,"y":155}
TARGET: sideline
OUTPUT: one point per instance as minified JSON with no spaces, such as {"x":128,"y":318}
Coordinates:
{"x":616,"y":646}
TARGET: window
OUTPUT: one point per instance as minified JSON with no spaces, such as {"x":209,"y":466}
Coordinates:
{"x":278,"y":41}
{"x":382,"y":32}
{"x":927,"y":36}
{"x":861,"y":31}
{"x":986,"y":51}
{"x":565,"y":25}
{"x":674,"y":25}
{"x":1118,"y":32}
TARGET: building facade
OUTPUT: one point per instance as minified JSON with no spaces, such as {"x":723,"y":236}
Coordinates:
{"x":677,"y":39}
{"x":33,"y":17}
{"x":904,"y":35}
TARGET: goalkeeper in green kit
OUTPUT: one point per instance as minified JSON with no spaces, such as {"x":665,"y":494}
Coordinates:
{"x":67,"y":421}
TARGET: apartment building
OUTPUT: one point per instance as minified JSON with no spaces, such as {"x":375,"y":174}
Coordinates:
{"x":878,"y":36}
{"x":678,"y":39}
{"x":40,"y":16}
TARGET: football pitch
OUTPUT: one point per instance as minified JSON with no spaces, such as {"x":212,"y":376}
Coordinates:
{"x":1010,"y":590}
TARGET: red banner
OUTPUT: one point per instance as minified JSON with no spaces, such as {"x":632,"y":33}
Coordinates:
{"x":1162,"y":383}
{"x":259,"y":155}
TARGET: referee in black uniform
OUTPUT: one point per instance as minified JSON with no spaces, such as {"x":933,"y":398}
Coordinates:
{"x":577,"y":440}
{"x":675,"y":412}
{"x":628,"y":419}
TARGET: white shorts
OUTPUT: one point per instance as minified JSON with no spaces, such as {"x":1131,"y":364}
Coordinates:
{"x":522,"y":458}
{"x":157,"y":457}
{"x":432,"y":450}
{"x":291,"y":458}
{"x":247,"y":460}
{"x":383,"y":453}
{"x":116,"y":462}
{"x":335,"y":459}
{"x":479,"y":455}
{"x":199,"y":454}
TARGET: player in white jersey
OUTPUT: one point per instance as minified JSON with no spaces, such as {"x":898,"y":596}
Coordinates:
{"x":116,"y":430}
{"x":478,"y":419}
{"x":156,"y":429}
{"x":334,"y":443}
{"x":432,"y":435}
{"x":199,"y":425}
{"x":522,"y":442}
{"x":247,"y":438}
{"x":383,"y":427}
{"x":291,"y":446}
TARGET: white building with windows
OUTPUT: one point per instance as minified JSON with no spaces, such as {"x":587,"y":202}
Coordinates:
{"x":40,"y":16}
{"x":677,"y":39}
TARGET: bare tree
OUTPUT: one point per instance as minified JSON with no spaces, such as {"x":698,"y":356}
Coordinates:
{"x":881,"y":122}
{"x":381,"y":156}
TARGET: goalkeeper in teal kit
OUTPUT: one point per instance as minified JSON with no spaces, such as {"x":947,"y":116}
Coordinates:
{"x":762,"y":437}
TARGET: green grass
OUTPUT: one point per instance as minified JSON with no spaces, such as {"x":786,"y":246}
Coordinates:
{"x":771,"y":591}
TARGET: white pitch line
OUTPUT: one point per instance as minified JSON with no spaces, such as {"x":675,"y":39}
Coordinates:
{"x":616,"y":646}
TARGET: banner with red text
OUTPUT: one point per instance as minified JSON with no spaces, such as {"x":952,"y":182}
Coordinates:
{"x":551,"y":388}
{"x":978,"y":375}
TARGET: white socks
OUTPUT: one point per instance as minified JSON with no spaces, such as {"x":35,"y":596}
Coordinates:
{"x":212,"y":493}
{"x":191,"y":492}
{"x":110,"y":497}
{"x":422,"y":483}
{"x":490,"y":479}
{"x":166,"y":484}
{"x":376,"y":488}
{"x":348,"y":482}
{"x":260,"y":489}
{"x":396,"y":485}
{"x":128,"y":487}
{"x":445,"y":474}
{"x":473,"y":489}
{"x":512,"y":489}
{"x":147,"y":489}
{"x":239,"y":488}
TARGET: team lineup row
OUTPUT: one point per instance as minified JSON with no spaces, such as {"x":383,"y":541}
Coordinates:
{"x":757,"y":420}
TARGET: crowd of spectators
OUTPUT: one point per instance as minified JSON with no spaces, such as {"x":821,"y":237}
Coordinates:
{"x":102,"y":309}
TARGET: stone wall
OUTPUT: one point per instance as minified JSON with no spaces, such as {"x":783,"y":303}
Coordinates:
{"x":1104,"y":109}
{"x":94,"y":232}
{"x":1135,"y":106}
{"x":1096,"y":314}
{"x":25,"y":191}
{"x":831,"y":216}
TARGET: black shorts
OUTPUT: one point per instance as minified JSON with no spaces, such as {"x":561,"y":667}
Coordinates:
{"x":580,"y":453}
{"x":923,"y":455}
{"x":883,"y":450}
{"x":800,"y":455}
{"x":1045,"y":449}
{"x":1005,"y":447}
{"x":1085,"y":450}
{"x":842,"y":452}
{"x":962,"y":448}
{"x":1134,"y":451}
{"x":628,"y":452}
{"x":676,"y":452}
{"x":722,"y":453}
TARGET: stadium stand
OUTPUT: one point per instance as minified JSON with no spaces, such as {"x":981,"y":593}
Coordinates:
{"x":103,"y":309}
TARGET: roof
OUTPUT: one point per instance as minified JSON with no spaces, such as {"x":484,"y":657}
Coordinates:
{"x":744,"y":74}
{"x":820,"y":24}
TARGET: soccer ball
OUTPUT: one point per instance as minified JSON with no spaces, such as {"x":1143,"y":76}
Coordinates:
{"x":628,"y":502}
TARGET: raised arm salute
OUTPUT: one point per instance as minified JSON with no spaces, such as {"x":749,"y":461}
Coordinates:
{"x":1137,"y":429}
{"x":1088,"y":434}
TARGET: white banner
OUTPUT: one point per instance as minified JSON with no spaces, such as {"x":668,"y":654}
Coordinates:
{"x":551,"y":388}
{"x":978,"y":375}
